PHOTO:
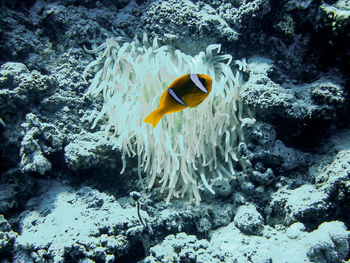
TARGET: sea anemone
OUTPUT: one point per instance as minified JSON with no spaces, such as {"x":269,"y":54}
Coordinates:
{"x":188,"y":149}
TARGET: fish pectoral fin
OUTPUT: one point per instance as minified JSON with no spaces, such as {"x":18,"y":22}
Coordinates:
{"x":154,"y":117}
{"x":195,"y":104}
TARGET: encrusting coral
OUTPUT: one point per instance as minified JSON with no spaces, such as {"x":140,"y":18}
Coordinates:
{"x":187,"y":148}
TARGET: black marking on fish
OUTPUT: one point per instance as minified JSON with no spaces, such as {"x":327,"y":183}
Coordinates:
{"x":173,"y":94}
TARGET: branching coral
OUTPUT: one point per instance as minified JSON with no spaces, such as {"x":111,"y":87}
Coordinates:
{"x":187,"y":148}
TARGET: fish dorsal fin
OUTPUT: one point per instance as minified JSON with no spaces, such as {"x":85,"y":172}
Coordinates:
{"x":198,"y":83}
{"x":173,"y":94}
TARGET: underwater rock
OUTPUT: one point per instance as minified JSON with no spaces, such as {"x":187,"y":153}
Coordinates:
{"x":181,"y":248}
{"x":15,"y":189}
{"x":258,"y":133}
{"x":32,"y":151}
{"x":295,"y":230}
{"x":242,"y":14}
{"x":21,"y":89}
{"x":264,"y":178}
{"x":304,"y":204}
{"x":222,"y":187}
{"x":249,"y":220}
{"x":67,"y":224}
{"x":334,"y":19}
{"x":181,"y":23}
{"x":334,"y":179}
{"x":329,"y":243}
{"x":321,"y":99}
{"x":87,"y":150}
{"x":7,"y":197}
{"x":7,"y":237}
{"x":289,"y":157}
{"x":20,"y":92}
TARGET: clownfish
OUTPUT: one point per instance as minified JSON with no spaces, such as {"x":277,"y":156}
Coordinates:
{"x":186,"y":91}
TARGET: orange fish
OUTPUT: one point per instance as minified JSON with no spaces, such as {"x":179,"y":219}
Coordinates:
{"x":186,"y":91}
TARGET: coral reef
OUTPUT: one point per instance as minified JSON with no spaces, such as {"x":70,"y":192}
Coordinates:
{"x":279,"y":170}
{"x":70,"y":225}
{"x":7,"y":236}
{"x":329,"y":243}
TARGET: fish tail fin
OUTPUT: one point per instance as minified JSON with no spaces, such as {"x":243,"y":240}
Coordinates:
{"x":154,"y":117}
